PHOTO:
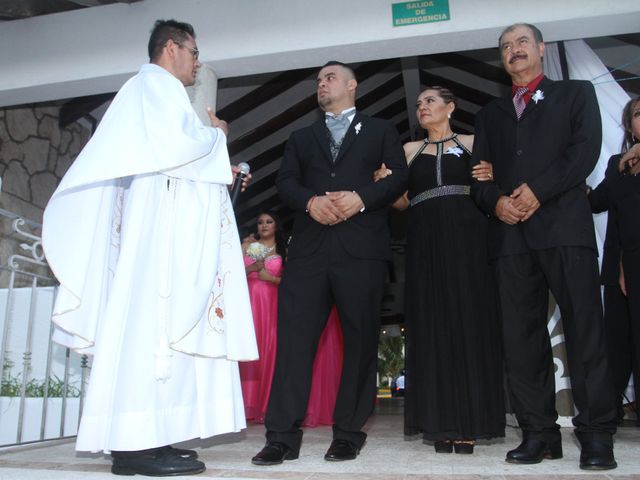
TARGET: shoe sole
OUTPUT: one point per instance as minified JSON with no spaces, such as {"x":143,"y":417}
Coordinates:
{"x":333,"y":459}
{"x":118,"y":470}
{"x":548,"y":455}
{"x":599,"y":467}
{"x":262,"y":463}
{"x":522,"y":462}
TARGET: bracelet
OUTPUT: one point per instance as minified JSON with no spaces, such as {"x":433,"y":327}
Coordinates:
{"x":309,"y":203}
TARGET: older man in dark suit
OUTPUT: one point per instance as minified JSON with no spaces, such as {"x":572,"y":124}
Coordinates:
{"x":337,"y":254}
{"x":543,"y":143}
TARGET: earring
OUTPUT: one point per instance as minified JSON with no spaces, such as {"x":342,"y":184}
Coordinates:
{"x":448,"y":115}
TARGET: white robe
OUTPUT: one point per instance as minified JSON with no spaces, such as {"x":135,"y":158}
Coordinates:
{"x":142,"y":237}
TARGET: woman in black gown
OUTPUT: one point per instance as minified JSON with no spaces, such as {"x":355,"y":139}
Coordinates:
{"x":619,"y":193}
{"x":454,"y":391}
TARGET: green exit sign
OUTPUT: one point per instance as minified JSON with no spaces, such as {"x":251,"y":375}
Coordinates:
{"x":411,"y":13}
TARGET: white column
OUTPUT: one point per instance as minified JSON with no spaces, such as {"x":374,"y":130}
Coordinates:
{"x":203,"y":94}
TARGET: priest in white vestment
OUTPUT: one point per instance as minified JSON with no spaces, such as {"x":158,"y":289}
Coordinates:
{"x":142,"y":237}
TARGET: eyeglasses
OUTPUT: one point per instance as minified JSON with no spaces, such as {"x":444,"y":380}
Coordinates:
{"x":194,"y":51}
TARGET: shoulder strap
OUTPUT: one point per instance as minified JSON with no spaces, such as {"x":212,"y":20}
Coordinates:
{"x":422,"y":147}
{"x":460,"y":144}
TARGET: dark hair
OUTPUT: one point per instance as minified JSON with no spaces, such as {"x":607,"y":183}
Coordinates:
{"x":629,"y":139}
{"x":165,"y":30}
{"x":537,"y":34}
{"x":444,"y":93}
{"x":331,"y":63}
{"x":281,"y":240}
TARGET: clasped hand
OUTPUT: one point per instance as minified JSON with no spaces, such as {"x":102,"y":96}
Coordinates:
{"x":630,"y":161}
{"x":335,"y":207}
{"x":517,"y":207}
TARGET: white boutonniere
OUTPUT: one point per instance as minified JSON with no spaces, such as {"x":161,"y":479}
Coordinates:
{"x":358,"y":127}
{"x":457,"y":151}
{"x":539,"y":95}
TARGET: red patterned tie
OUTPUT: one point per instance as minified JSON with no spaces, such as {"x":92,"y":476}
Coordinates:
{"x":518,"y":101}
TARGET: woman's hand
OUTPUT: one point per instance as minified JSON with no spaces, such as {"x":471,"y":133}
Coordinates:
{"x":255,"y":267}
{"x":482,"y":172}
{"x":267,"y":277}
{"x":630,"y":161}
{"x":621,"y":281}
{"x":246,"y":241}
{"x":382,"y":172}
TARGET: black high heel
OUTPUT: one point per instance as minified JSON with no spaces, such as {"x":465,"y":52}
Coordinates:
{"x":443,"y":446}
{"x":464,"y":448}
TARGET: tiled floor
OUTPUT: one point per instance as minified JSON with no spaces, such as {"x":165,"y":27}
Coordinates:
{"x":386,"y":456}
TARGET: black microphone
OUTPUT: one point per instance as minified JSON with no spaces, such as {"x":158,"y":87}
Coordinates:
{"x":237,"y":185}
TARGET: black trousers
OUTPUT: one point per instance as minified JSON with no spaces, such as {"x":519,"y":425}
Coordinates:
{"x":631,"y":264}
{"x":310,"y":286}
{"x":623,"y":342}
{"x":524,"y":281}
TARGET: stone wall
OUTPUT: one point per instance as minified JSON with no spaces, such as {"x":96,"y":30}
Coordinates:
{"x":34,"y":155}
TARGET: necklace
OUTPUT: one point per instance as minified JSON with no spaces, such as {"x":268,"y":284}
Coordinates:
{"x":442,"y":140}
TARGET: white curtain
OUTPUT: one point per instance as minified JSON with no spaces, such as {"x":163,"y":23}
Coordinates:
{"x":584,"y":64}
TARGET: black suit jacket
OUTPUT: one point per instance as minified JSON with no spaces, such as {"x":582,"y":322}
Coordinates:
{"x":600,"y":200}
{"x":553,"y":148}
{"x":307,"y":169}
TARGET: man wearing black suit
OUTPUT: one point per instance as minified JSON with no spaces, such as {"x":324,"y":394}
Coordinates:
{"x":337,"y":255}
{"x":543,"y":143}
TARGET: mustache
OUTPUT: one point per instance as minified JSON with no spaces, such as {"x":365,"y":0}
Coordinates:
{"x":519,"y":56}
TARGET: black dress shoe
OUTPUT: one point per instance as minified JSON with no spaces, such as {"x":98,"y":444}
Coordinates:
{"x":160,"y":462}
{"x":274,"y":453}
{"x":341,"y":450}
{"x":597,"y":456}
{"x":443,"y":446}
{"x":533,"y":450}
{"x":181,"y":452}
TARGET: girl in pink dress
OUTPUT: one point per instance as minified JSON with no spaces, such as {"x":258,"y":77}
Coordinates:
{"x":263,"y":261}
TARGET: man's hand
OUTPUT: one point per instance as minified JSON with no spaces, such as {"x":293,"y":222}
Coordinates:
{"x":507,"y":212}
{"x":323,"y":211}
{"x":217,"y":123}
{"x":245,"y":181}
{"x":525,"y":200}
{"x":348,"y":203}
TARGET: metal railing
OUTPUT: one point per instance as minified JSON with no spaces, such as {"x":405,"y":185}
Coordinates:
{"x":43,"y":383}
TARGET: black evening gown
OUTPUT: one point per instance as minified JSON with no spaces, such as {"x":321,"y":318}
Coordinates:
{"x":454,"y":370}
{"x":626,"y":203}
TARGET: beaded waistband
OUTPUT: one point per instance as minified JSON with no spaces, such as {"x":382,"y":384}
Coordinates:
{"x":440,"y":191}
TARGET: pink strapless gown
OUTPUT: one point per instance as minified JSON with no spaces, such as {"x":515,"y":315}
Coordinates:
{"x":256,"y":376}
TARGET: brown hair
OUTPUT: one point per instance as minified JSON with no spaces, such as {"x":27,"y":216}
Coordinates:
{"x":444,"y":93}
{"x":627,"y":116}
